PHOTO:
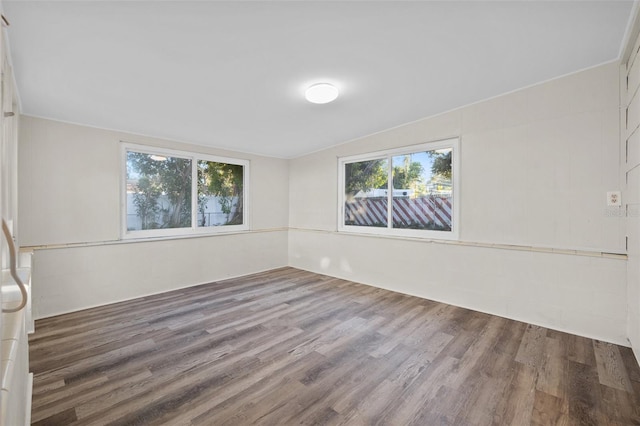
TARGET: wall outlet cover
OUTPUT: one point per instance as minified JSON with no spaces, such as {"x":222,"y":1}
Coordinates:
{"x":614,"y":199}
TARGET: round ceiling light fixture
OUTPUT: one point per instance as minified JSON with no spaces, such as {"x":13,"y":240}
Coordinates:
{"x":321,"y":93}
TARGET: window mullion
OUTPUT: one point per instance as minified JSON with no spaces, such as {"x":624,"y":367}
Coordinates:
{"x":390,"y":192}
{"x":194,"y":193}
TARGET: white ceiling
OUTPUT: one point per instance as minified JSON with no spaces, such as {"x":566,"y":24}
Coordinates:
{"x":232,"y":74}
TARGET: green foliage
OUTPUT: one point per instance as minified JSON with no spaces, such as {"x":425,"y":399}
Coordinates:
{"x":146,"y":202}
{"x":171,"y":178}
{"x":409,"y":175}
{"x":411,"y":224}
{"x":441,"y":163}
{"x":224,"y":181}
{"x":365,"y":176}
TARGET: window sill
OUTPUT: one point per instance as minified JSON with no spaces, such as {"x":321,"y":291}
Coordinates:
{"x":413,"y":234}
{"x":184,"y":232}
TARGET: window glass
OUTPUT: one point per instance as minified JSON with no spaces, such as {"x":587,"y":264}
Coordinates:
{"x":220,"y":193}
{"x":422,"y":190}
{"x":158,"y":191}
{"x":365,"y":193}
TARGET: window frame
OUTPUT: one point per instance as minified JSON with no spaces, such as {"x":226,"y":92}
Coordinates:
{"x":194,"y":229}
{"x":454,"y":234}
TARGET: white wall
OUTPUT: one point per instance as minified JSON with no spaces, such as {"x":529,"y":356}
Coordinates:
{"x":69,"y":189}
{"x":535,"y":168}
{"x":631,"y":167}
{"x":70,"y":183}
{"x":80,"y":277}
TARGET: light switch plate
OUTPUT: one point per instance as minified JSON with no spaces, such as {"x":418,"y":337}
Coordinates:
{"x":614,"y":199}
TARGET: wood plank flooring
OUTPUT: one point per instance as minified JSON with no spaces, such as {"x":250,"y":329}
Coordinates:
{"x":292,"y":347}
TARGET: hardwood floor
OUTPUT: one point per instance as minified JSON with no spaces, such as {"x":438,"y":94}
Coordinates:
{"x":291,"y":347}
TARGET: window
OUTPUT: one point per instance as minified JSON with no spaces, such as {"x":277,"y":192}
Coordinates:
{"x":175,"y":193}
{"x":410,"y":191}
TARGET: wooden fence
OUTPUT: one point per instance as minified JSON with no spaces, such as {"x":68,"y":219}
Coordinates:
{"x":430,"y":212}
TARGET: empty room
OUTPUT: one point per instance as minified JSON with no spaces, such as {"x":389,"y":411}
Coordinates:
{"x":320,"y":212}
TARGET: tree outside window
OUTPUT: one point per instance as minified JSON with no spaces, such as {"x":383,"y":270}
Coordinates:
{"x":160,"y":189}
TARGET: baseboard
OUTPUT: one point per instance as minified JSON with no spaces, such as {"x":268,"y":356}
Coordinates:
{"x":636,"y":352}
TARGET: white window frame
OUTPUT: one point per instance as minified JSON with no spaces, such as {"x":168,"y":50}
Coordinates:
{"x":453,"y":143}
{"x":194,"y":229}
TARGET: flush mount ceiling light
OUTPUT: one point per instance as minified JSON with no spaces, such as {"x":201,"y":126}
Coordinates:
{"x":321,"y":93}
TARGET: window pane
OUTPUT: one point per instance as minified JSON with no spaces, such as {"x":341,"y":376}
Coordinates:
{"x":158,"y":191}
{"x":220,"y":194}
{"x":365,"y":191}
{"x":422,"y":190}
